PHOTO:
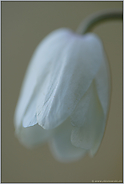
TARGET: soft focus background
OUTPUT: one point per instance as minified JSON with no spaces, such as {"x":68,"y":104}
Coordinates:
{"x":24,"y":25}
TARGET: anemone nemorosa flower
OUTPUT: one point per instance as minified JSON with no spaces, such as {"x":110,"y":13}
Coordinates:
{"x":65,"y":95}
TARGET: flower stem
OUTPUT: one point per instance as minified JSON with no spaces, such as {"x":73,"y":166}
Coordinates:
{"x":96,"y":18}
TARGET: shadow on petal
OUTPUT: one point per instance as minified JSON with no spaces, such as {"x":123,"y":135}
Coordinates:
{"x":61,"y":145}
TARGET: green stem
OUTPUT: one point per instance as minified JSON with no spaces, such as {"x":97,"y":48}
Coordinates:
{"x":99,"y":17}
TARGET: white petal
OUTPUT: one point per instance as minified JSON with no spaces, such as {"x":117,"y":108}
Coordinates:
{"x":71,"y":74}
{"x":80,"y":113}
{"x":102,"y":80}
{"x":98,"y":140}
{"x":29,"y":118}
{"x":103,"y":85}
{"x":86,"y":136}
{"x":38,"y":70}
{"x":61,"y":146}
{"x":33,"y":136}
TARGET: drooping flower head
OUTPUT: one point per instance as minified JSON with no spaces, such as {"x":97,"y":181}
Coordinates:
{"x":65,"y":95}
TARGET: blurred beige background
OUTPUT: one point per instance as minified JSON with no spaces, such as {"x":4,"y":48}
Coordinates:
{"x":24,"y":25}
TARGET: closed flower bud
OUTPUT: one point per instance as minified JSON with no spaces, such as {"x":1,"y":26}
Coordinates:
{"x":65,"y":95}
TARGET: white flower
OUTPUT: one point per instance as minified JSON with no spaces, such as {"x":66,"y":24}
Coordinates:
{"x":65,"y":95}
